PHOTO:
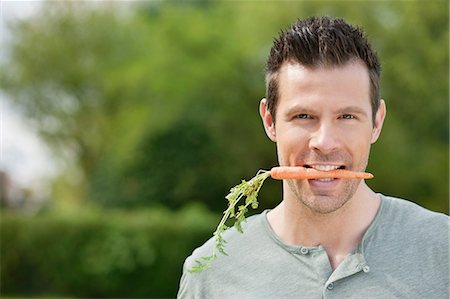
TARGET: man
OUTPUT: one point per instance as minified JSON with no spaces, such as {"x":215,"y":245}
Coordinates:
{"x":328,"y":238}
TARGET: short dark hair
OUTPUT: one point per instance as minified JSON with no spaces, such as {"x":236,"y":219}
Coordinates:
{"x":321,"y":41}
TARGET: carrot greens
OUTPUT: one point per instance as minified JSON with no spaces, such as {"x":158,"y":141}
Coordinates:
{"x":237,"y":209}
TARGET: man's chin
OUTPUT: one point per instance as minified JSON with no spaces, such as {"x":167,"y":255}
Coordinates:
{"x":324,"y":205}
{"x":323,"y":201}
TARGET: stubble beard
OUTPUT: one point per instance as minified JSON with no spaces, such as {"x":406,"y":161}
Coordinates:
{"x":323,"y":203}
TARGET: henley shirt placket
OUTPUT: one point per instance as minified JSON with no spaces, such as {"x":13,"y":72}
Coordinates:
{"x":352,"y":264}
{"x":317,"y":258}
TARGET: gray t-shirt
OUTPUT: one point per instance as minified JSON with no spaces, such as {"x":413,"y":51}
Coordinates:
{"x":404,"y":254}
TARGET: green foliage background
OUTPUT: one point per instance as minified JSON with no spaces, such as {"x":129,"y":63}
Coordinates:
{"x":154,"y":103}
{"x":100,"y":255}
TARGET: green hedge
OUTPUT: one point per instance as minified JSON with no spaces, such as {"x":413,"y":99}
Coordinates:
{"x":111,"y":254}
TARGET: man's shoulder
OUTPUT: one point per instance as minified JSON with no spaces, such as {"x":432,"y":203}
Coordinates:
{"x":410,"y":217}
{"x":236,"y":243}
{"x":238,"y":248}
{"x":409,"y":247}
{"x":409,"y":210}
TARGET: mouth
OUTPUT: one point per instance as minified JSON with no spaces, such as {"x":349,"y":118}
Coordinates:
{"x":324,"y":167}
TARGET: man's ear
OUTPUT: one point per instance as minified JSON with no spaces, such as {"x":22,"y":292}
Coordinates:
{"x":268,"y":120}
{"x":379,"y":120}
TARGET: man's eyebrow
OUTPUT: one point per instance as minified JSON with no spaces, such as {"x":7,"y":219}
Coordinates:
{"x":298,"y":108}
{"x":353,"y":109}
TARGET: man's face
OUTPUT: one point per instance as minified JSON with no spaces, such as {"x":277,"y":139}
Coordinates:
{"x":324,"y":121}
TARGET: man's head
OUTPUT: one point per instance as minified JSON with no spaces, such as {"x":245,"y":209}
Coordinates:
{"x":321,"y":42}
{"x":323,"y":82}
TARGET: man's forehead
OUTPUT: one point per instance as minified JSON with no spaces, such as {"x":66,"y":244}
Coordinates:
{"x":345,"y":83}
{"x":320,"y":75}
{"x":292,"y":65}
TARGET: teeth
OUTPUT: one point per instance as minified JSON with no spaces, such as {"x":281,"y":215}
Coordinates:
{"x":325,"y":167}
{"x":325,"y":180}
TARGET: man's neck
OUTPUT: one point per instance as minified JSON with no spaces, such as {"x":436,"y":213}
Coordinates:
{"x":339,"y":232}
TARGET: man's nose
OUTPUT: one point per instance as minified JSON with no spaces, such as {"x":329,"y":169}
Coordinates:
{"x":324,"y":139}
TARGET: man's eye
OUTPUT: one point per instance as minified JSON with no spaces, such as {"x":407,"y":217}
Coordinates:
{"x":347,"y":116}
{"x":303,"y":116}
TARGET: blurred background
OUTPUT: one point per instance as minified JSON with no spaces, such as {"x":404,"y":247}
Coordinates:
{"x":124,"y":125}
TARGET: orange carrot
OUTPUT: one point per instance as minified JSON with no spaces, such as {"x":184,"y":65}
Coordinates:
{"x":302,"y":173}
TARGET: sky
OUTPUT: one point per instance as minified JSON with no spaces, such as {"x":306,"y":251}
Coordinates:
{"x":23,"y":155}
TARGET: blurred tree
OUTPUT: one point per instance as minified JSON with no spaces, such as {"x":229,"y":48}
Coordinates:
{"x":62,"y":66}
{"x":412,"y":159}
{"x":172,"y":167}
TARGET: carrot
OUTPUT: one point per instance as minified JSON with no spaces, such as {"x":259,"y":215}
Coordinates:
{"x":302,"y":173}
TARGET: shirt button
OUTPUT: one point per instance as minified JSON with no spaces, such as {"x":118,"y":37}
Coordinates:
{"x":330,"y":286}
{"x":304,"y":250}
{"x":366,"y":269}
